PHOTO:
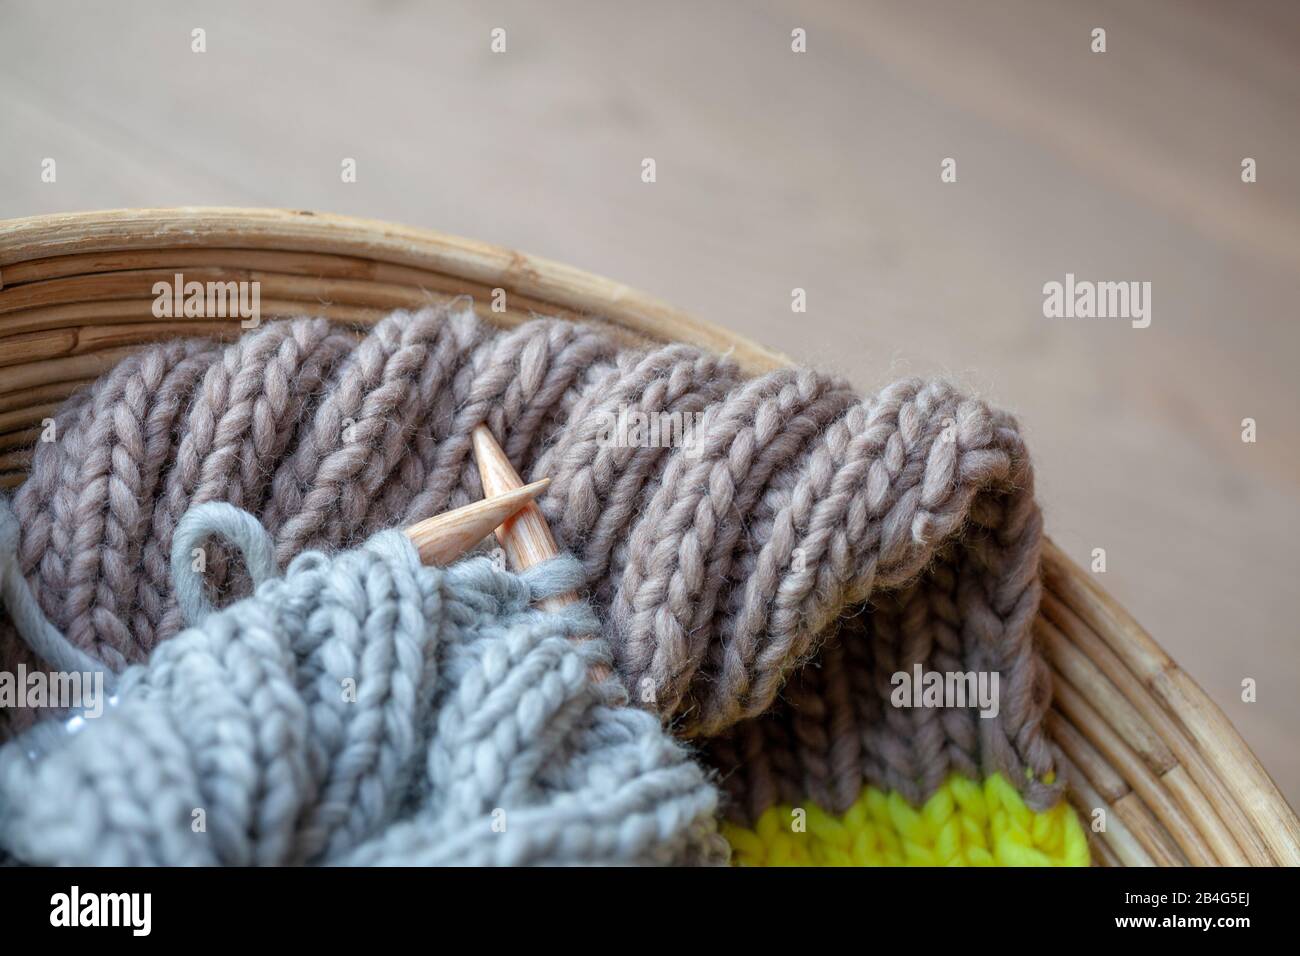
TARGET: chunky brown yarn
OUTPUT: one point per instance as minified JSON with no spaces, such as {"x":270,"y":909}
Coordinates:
{"x":759,"y":590}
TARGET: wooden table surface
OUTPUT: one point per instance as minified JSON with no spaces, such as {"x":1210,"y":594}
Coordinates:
{"x":820,"y":170}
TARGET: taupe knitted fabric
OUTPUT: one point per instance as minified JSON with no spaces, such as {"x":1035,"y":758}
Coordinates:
{"x":758,"y":589}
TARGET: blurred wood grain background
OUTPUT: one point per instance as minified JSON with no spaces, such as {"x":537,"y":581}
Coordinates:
{"x":819,"y":171}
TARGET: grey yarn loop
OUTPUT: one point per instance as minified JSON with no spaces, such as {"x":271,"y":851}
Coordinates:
{"x":361,"y":709}
{"x":237,"y":527}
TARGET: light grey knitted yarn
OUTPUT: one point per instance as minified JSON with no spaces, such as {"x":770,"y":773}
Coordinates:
{"x":361,"y":709}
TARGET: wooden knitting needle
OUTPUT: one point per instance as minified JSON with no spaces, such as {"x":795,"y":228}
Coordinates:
{"x":445,"y":537}
{"x":525,"y":536}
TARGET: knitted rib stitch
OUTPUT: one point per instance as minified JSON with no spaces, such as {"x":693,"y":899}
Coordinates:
{"x":757,"y":590}
{"x":361,"y":709}
{"x":963,"y":823}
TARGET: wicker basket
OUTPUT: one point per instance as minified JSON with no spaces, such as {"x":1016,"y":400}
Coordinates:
{"x":1140,"y":739}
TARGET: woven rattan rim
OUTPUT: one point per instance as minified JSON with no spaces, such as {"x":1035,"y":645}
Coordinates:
{"x":1140,"y":739}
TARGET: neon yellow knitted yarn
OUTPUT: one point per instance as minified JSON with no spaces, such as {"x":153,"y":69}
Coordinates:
{"x":963,"y":824}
